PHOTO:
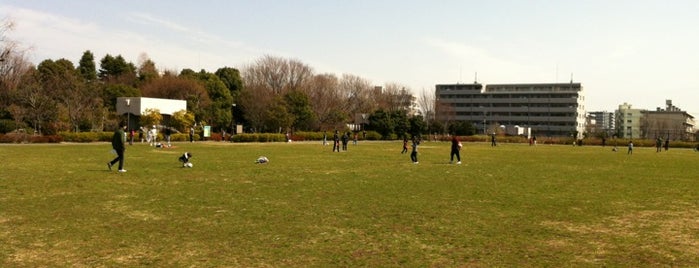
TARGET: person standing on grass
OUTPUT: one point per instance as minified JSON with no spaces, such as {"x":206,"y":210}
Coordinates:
{"x":413,"y":154}
{"x":345,"y":140}
{"x":325,"y":138}
{"x":118,"y":146}
{"x":336,"y":141}
{"x":630,"y":148}
{"x":168,"y":133}
{"x":667,"y":144}
{"x":405,"y":145}
{"x":153,"y":136}
{"x":455,"y":148}
{"x":191,"y":134}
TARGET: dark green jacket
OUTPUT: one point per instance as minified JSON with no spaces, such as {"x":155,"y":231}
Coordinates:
{"x":118,"y":140}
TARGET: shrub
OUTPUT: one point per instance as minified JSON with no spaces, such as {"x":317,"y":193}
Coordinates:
{"x":85,"y":136}
{"x":21,"y":137}
{"x":372,"y":135}
{"x":7,"y":126}
{"x":46,"y":139}
{"x":14,"y":137}
{"x":259,"y":137}
{"x":306,"y":136}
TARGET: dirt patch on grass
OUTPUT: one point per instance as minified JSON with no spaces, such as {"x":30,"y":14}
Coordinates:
{"x":129,"y":212}
{"x":673,"y":235}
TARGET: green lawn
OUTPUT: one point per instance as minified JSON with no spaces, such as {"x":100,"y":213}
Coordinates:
{"x":509,"y":206}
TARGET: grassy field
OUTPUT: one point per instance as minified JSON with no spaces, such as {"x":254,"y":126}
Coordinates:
{"x":509,"y":206}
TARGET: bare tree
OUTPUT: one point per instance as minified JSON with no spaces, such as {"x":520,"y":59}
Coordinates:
{"x":267,"y":77}
{"x":39,"y":107}
{"x":357,"y":95}
{"x":323,"y":92}
{"x":299,"y":74}
{"x":426,"y":105}
{"x":395,"y":97}
{"x":256,"y":101}
{"x":444,"y":114}
{"x":13,"y":65}
{"x":276,"y":74}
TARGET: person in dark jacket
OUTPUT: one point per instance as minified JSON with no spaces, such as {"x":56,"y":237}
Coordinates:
{"x":413,"y":154}
{"x":455,"y":148}
{"x":336,"y":141}
{"x":118,"y":146}
{"x":345,"y":140}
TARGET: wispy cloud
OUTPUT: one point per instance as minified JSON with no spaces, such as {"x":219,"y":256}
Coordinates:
{"x":485,"y":62}
{"x":214,"y":42}
{"x":150,"y":19}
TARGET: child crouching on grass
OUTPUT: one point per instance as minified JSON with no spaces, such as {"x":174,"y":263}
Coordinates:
{"x":185,"y":158}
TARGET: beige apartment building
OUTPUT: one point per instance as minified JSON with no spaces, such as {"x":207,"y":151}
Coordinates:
{"x":668,"y":123}
{"x":547,"y":109}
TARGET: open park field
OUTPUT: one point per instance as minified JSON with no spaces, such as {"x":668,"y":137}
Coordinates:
{"x":513,"y":205}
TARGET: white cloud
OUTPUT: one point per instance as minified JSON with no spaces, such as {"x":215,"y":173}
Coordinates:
{"x":53,"y":36}
{"x":488,"y":65}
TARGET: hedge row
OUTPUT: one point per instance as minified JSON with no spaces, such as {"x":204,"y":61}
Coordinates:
{"x":107,"y":137}
{"x":27,"y":138}
{"x":20,"y":137}
{"x":317,"y":136}
{"x":258,"y":137}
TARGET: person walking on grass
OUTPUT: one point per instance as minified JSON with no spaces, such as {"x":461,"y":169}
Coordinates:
{"x":455,"y":148}
{"x":118,"y":146}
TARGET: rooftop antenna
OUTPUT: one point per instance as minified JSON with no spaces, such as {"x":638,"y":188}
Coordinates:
{"x":475,"y":80}
{"x":571,"y":78}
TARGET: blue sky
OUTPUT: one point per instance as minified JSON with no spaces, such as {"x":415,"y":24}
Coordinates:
{"x":639,"y":52}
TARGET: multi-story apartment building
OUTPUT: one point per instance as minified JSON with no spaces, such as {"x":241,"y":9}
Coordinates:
{"x":604,"y":122}
{"x":548,"y":109}
{"x":628,"y":121}
{"x":669,"y":123}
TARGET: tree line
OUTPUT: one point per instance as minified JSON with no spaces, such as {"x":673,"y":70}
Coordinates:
{"x":272,"y":94}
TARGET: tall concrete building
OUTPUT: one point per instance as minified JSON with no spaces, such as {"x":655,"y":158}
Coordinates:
{"x":628,"y":121}
{"x":548,"y":109}
{"x":604,"y":122}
